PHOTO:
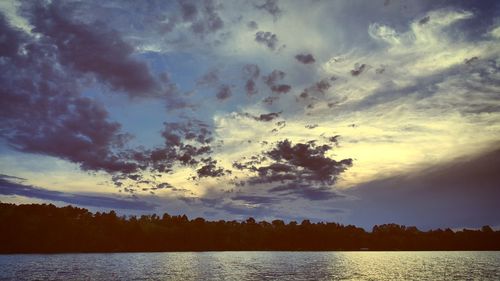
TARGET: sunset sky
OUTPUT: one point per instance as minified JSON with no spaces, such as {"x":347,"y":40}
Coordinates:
{"x":360,"y":112}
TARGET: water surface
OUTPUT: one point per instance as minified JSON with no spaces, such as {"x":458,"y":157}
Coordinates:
{"x":254,"y":266}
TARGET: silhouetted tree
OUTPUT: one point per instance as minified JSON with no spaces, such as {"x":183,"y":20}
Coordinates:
{"x":46,"y":228}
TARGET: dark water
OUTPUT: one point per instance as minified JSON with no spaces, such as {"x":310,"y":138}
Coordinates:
{"x":254,"y":266}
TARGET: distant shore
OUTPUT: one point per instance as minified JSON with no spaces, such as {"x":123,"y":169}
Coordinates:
{"x":42,"y":228}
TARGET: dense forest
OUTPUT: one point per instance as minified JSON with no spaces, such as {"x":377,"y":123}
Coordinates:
{"x":46,"y":228}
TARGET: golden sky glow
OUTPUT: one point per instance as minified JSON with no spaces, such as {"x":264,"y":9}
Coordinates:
{"x":405,"y":86}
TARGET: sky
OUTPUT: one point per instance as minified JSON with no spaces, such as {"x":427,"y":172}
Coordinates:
{"x":358,"y":112}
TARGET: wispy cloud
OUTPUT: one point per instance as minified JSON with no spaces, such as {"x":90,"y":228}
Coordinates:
{"x":9,"y":186}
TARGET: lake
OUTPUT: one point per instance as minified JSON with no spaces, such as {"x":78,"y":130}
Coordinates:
{"x":254,"y":266}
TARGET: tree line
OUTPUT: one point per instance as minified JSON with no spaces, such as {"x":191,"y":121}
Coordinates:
{"x":45,"y":228}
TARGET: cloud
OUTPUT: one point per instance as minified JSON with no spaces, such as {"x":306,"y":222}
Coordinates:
{"x":252,"y":25}
{"x":263,"y":117}
{"x":268,"y":117}
{"x":270,"y":6}
{"x":425,"y":86}
{"x":202,"y":15}
{"x":424,"y":20}
{"x":250,"y":87}
{"x":272,"y":80}
{"x":93,"y":49}
{"x":273,"y":77}
{"x":186,"y":144}
{"x":9,"y":187}
{"x":305,"y":58}
{"x":224,"y":93}
{"x":209,"y":78}
{"x":269,"y":39}
{"x":251,"y":71}
{"x":318,"y":89}
{"x":12,"y":39}
{"x":42,"y":112}
{"x":306,"y":160}
{"x":358,"y":69}
{"x":255,"y":199}
{"x":303,"y":167}
{"x":304,"y":190}
{"x":210,"y":169}
{"x":188,"y":10}
{"x":281,"y":89}
{"x":236,"y":209}
{"x":459,"y":193}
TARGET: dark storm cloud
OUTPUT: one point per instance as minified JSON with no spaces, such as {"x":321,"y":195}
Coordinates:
{"x":302,"y":169}
{"x":306,"y":191}
{"x":9,"y":187}
{"x":306,"y":160}
{"x":461,"y":193}
{"x":42,"y":112}
{"x":269,"y":39}
{"x":83,"y":135}
{"x":305,"y":58}
{"x":92,"y":49}
{"x":270,"y":6}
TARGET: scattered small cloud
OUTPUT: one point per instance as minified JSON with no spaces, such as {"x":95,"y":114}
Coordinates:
{"x":10,"y":187}
{"x":268,"y":39}
{"x":305,"y":58}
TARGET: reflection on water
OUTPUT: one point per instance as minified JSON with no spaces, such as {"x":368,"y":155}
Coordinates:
{"x":254,"y":266}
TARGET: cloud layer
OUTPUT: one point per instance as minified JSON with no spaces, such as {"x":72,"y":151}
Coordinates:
{"x":248,"y":107}
{"x":9,"y":186}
